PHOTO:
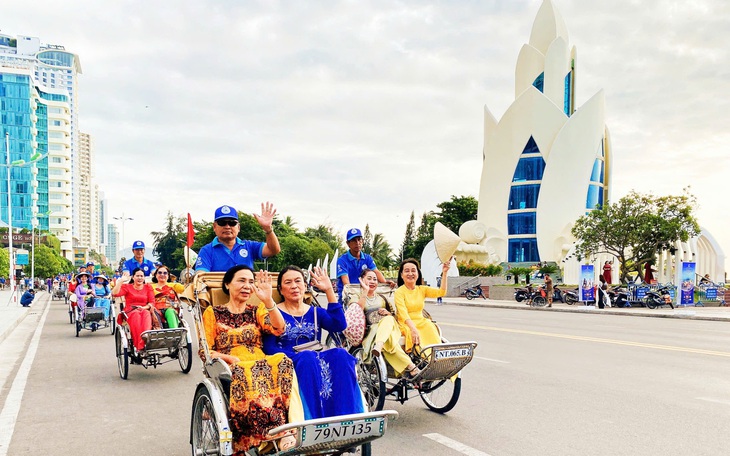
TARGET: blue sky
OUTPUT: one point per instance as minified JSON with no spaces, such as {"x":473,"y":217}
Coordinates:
{"x":348,"y":113}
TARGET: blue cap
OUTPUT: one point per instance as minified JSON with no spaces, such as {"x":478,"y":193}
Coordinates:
{"x":225,"y":212}
{"x":137,"y":245}
{"x":353,"y":233}
{"x":90,"y":263}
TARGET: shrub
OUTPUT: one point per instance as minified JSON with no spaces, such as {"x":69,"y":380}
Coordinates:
{"x":475,"y":269}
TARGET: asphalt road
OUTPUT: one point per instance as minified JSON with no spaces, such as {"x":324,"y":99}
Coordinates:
{"x":542,"y":383}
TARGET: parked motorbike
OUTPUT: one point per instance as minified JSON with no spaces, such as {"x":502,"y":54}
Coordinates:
{"x":558,"y":294}
{"x":522,"y":294}
{"x":573,"y":296}
{"x":619,"y":297}
{"x":658,"y":297}
{"x":474,"y":292}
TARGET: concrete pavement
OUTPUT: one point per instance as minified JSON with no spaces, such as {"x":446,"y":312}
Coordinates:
{"x":692,"y":313}
{"x":12,"y":313}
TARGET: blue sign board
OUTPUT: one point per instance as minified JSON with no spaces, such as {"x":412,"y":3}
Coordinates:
{"x":587,"y":276}
{"x":21,"y":259}
{"x":687,"y":284}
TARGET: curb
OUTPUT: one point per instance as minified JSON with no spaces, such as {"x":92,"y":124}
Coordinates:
{"x":689,"y":315}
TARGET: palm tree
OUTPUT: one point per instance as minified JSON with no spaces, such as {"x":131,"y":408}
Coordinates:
{"x":381,"y":252}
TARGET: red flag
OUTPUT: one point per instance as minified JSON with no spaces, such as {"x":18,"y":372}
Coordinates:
{"x":191,"y":232}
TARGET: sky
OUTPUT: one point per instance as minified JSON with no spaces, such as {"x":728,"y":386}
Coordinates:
{"x":352,"y":112}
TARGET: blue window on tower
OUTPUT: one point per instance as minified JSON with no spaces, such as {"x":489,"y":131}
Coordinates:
{"x":529,"y":169}
{"x":597,"y":173}
{"x":522,"y":223}
{"x":531,"y":147}
{"x":522,"y":250}
{"x":523,"y":196}
{"x":539,"y":82}
{"x":594,"y":197}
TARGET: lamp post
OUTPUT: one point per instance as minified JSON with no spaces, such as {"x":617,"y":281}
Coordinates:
{"x":122,"y":219}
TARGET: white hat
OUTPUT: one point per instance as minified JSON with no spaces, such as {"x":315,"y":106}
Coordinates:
{"x":445,"y":241}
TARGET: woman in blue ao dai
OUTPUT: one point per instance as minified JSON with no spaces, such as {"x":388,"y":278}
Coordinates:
{"x":327,"y":380}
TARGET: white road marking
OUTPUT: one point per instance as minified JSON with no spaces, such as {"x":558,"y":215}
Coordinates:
{"x":492,"y":360}
{"x":716,"y":401}
{"x":10,"y":411}
{"x":454,"y":445}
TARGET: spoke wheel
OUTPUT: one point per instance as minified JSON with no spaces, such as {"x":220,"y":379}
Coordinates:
{"x":78,"y":327}
{"x":185,"y":356}
{"x":371,"y":384}
{"x":122,"y":356}
{"x":538,"y":301}
{"x":204,"y":435}
{"x":442,"y":395}
{"x":112,"y":323}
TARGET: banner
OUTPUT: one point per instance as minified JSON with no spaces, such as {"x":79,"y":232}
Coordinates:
{"x":587,"y":276}
{"x":687,"y":281}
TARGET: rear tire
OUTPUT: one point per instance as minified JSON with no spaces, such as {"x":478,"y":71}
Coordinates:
{"x":442,"y":395}
{"x":204,"y":433}
{"x":650,"y":302}
{"x":570,"y":299}
{"x":369,"y":379}
{"x":469,"y":296}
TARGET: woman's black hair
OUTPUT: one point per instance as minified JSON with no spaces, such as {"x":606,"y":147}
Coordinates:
{"x":228,"y":276}
{"x":154,"y":273}
{"x":291,"y":267}
{"x":419,"y":281}
{"x":365,"y":271}
{"x":134,"y":271}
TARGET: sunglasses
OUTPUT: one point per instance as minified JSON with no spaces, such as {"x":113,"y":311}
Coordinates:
{"x":227,"y":222}
{"x":162,"y":273}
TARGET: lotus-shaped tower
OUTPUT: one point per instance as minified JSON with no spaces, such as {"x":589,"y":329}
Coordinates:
{"x":546,"y":162}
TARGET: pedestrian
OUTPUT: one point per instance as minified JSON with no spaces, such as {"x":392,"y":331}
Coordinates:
{"x":439,"y":300}
{"x":27,"y":299}
{"x":549,"y":289}
{"x":607,"y":267}
{"x":601,"y":292}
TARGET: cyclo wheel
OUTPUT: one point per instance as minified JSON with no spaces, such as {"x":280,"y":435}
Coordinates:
{"x":204,"y":433}
{"x":112,"y":322}
{"x":71,"y":315}
{"x":441,"y":395}
{"x":122,"y":356}
{"x":185,"y":357}
{"x":538,"y":301}
{"x":371,"y":384}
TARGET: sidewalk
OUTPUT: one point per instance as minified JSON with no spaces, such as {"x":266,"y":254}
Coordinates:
{"x":690,"y":313}
{"x":12,"y":313}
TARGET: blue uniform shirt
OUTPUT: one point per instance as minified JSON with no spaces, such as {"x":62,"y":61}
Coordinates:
{"x":352,"y":267}
{"x":146,"y":266}
{"x":216,"y":256}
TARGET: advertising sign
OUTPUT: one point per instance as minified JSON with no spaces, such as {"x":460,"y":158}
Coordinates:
{"x":687,"y":283}
{"x":587,"y":276}
{"x":21,"y":259}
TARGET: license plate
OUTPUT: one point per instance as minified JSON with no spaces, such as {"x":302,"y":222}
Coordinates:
{"x":453,"y":353}
{"x":344,"y":430}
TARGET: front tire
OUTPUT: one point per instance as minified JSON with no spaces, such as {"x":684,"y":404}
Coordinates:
{"x":122,"y":356}
{"x":185,"y":357}
{"x":442,"y":395}
{"x":204,"y":433}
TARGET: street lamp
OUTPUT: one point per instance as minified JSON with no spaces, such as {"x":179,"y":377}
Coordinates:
{"x":122,"y":219}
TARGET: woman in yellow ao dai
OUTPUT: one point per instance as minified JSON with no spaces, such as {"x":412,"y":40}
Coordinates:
{"x":410,"y":298}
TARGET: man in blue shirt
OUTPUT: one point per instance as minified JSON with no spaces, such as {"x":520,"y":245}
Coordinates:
{"x":27,"y":299}
{"x":138,"y":260}
{"x":351,"y":263}
{"x":227,"y":250}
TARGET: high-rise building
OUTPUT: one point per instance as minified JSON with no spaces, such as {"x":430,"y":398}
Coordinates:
{"x":110,"y":250}
{"x":52,"y":75}
{"x":88,"y":206}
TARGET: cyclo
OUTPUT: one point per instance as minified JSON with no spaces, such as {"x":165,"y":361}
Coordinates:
{"x":161,"y":345}
{"x":91,"y":315}
{"x":438,"y":383}
{"x":210,"y":431}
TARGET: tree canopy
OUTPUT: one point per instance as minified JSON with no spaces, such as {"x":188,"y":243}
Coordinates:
{"x":636,"y":228}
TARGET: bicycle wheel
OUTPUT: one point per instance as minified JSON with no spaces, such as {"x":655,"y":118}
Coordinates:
{"x":370,"y":381}
{"x":122,"y":356}
{"x":442,"y":395}
{"x":204,"y":432}
{"x":185,"y":356}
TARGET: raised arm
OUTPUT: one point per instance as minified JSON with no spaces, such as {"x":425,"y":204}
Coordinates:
{"x":265,"y":220}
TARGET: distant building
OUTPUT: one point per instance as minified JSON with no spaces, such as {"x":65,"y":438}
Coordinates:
{"x":112,"y":244}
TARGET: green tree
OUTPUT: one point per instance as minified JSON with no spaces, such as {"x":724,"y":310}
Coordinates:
{"x":47,"y":262}
{"x":327,"y":234}
{"x":294,"y":250}
{"x":454,"y":213}
{"x":407,"y":249}
{"x":367,"y":240}
{"x":636,"y":228}
{"x":517,"y":272}
{"x":170,"y":241}
{"x":4,"y":263}
{"x":381,"y":252}
{"x":424,"y":235}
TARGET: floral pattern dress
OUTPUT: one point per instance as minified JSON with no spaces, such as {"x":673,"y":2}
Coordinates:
{"x":327,"y":379}
{"x":262,"y":384}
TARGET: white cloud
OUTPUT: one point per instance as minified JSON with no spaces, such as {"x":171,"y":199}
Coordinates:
{"x":358,"y":112}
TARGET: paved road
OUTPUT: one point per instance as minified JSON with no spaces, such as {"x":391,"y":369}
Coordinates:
{"x":543,"y":383}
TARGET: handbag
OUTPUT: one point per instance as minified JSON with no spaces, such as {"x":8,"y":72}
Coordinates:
{"x":374,"y":316}
{"x":355,"y":330}
{"x":312,"y":345}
